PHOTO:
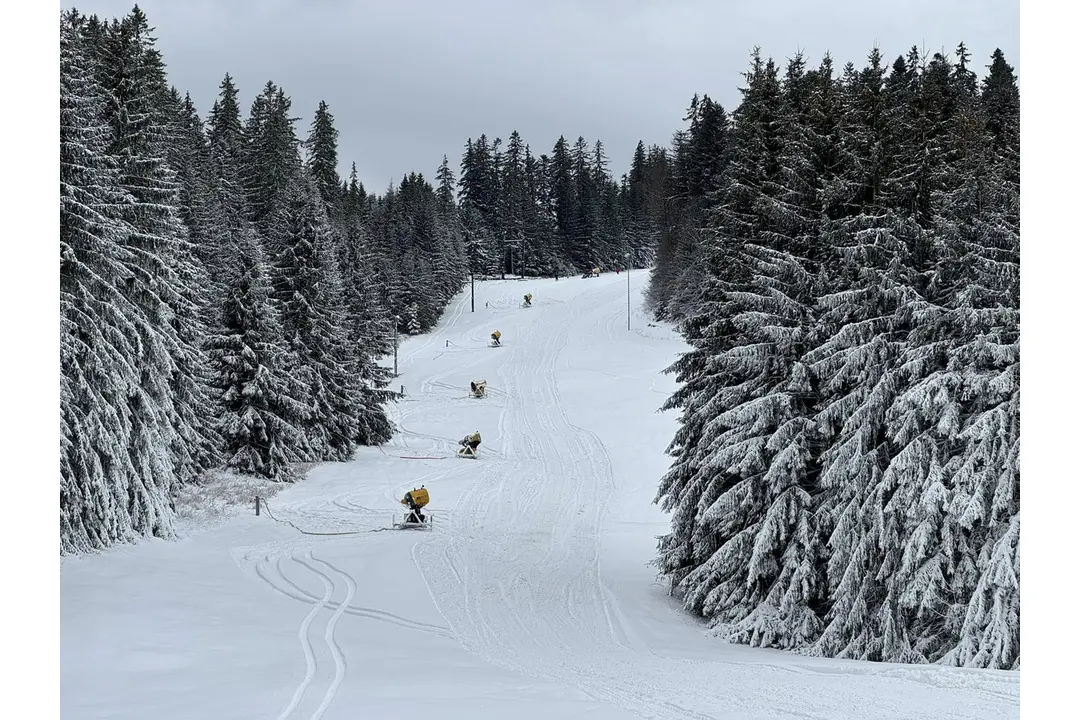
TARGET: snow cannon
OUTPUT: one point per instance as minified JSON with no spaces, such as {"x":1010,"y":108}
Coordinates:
{"x":478,"y":388}
{"x":470,"y":446}
{"x":415,"y":500}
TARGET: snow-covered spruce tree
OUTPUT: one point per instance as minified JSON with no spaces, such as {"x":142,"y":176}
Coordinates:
{"x":511,"y":199}
{"x":427,"y":264}
{"x":645,"y":204}
{"x":262,"y":422}
{"x":678,"y":251}
{"x":307,"y":289}
{"x":980,"y":216}
{"x":411,"y":319}
{"x":923,"y":421}
{"x":207,"y":238}
{"x":641,"y":229}
{"x":583,"y":248}
{"x":857,"y":348}
{"x":226,"y":211}
{"x":322,"y":160}
{"x":477,"y":240}
{"x":608,"y":237}
{"x":689,"y":257}
{"x":271,"y":157}
{"x":540,"y":228}
{"x":687,"y":489}
{"x":752,"y":545}
{"x":382,"y":225}
{"x":368,"y":331}
{"x":564,"y":201}
{"x":187,"y":154}
{"x":166,"y":280}
{"x":99,"y":333}
{"x":702,"y":152}
{"x":452,"y":264}
{"x":369,"y":324}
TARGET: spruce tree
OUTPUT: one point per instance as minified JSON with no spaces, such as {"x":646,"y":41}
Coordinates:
{"x":369,"y":331}
{"x":100,"y":500}
{"x":306,"y":288}
{"x":564,"y":201}
{"x":227,"y":211}
{"x":752,"y":534}
{"x":323,"y":158}
{"x":857,"y":355}
{"x":981,"y":216}
{"x":164,"y":278}
{"x":445,"y":191}
{"x":584,"y":250}
{"x":512,"y":197}
{"x":271,"y":158}
{"x":262,"y":422}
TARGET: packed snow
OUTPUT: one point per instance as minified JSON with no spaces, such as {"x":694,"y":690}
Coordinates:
{"x":531,"y":595}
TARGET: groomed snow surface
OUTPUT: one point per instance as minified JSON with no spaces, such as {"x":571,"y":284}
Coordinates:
{"x":530,"y":598}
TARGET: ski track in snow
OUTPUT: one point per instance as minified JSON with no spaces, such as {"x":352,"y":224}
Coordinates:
{"x":311,"y":664}
{"x":514,"y":565}
{"x":268,"y":569}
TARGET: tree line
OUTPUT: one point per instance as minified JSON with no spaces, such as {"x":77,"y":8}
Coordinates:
{"x":558,"y":213}
{"x":844,"y":262}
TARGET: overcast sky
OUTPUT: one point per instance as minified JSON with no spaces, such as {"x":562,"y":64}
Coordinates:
{"x":410,"y":80}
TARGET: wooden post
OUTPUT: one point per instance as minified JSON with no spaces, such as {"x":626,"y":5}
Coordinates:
{"x":257,"y":505}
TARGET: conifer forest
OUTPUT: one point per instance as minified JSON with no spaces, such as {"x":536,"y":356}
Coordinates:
{"x":840,"y":251}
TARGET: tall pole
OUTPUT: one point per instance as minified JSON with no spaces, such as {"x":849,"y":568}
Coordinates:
{"x":395,"y":344}
{"x":627,"y":291}
{"x":472,"y":291}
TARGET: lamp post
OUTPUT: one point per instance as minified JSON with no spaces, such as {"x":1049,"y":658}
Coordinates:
{"x":627,"y":291}
{"x":396,"y":321}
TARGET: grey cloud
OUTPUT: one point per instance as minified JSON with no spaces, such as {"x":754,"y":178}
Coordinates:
{"x":409,"y":80}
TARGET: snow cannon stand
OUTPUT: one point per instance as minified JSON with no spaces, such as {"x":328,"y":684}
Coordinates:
{"x":416,"y":499}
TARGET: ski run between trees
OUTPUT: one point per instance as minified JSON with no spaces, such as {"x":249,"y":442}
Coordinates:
{"x":531,"y":595}
{"x":832,"y":289}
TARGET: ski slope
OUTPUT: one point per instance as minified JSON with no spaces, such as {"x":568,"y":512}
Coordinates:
{"x":531,"y":596}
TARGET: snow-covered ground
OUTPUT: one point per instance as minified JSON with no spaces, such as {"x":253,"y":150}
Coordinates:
{"x":530,"y":598}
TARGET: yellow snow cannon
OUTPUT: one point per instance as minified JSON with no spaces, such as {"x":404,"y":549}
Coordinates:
{"x":415,"y":500}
